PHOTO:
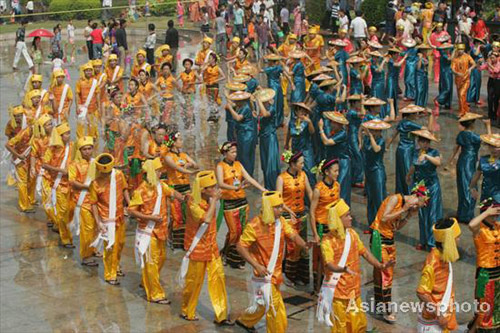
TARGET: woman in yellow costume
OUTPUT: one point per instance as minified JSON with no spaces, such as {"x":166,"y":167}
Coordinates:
{"x":81,"y":172}
{"x":162,"y":55}
{"x":233,"y":179}
{"x":202,"y":55}
{"x":239,"y":62}
{"x":56,"y":160}
{"x":115,"y":128}
{"x":20,"y":148}
{"x":437,"y":288}
{"x":178,"y":167}
{"x":462,"y":65}
{"x":42,"y":131}
{"x":149,"y":205}
{"x":101,"y":78}
{"x":313,"y":46}
{"x":166,"y":84}
{"x":295,"y":187}
{"x":35,"y":83}
{"x":88,"y":100}
{"x":114,"y":73}
{"x":149,"y":90}
{"x":60,"y":96}
{"x":140,"y":63}
{"x":212,"y":75}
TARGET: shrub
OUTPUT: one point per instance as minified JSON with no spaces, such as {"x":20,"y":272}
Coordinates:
{"x":315,"y":10}
{"x":62,"y":5}
{"x":374,"y":11}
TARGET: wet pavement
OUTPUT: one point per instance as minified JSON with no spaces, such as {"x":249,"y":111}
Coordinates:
{"x":44,"y":288}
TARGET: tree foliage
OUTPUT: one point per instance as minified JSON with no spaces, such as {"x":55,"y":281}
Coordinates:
{"x":83,"y":5}
{"x":374,"y":11}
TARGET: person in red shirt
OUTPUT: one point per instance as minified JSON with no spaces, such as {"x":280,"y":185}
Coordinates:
{"x":97,"y":41}
{"x":479,"y":29}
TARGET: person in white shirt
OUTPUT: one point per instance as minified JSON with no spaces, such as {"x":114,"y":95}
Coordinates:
{"x":407,"y":21}
{"x":256,"y":7}
{"x":30,"y":7}
{"x":285,"y":15}
{"x":464,"y":28}
{"x":269,"y":9}
{"x":70,"y":29}
{"x":86,"y":32}
{"x":343,"y":20}
{"x":358,"y":29}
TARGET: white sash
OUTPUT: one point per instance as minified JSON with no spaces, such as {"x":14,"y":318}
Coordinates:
{"x":58,"y":179}
{"x":327,"y":292}
{"x":100,"y":79}
{"x":39,"y":109}
{"x":206,"y":57}
{"x":181,"y":276}
{"x":27,"y":81}
{"x":61,"y":103}
{"x":75,"y":224}
{"x":84,"y":108}
{"x":38,"y":186}
{"x":25,"y":154}
{"x":262,"y":295}
{"x":109,"y":235}
{"x":432,"y":326}
{"x":115,"y":73}
{"x":143,"y":236}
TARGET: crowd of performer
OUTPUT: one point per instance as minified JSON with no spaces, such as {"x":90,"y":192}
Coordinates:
{"x":124,"y":163}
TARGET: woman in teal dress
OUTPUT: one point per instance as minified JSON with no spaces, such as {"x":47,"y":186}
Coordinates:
{"x":393,"y":70}
{"x":445,"y":77}
{"x":246,"y":130}
{"x":274,"y":72}
{"x":422,"y":80}
{"x":334,"y":138}
{"x":268,"y":140}
{"x":355,"y":116}
{"x":325,"y":101}
{"x":425,"y":161}
{"x":299,"y":81}
{"x":468,"y":144}
{"x":356,"y":75}
{"x":474,"y":92}
{"x":375,"y":177}
{"x":406,"y":146}
{"x":489,"y":168}
{"x":341,"y":57}
{"x":410,"y":71}
{"x":301,"y":133}
{"x":378,"y":79}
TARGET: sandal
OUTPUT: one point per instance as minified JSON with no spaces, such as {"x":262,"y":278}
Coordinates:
{"x":225,"y":322}
{"x":90,"y":263}
{"x":113,"y":282}
{"x":98,"y":255}
{"x":185,"y":317}
{"x":162,"y":301}
{"x":119,"y":272}
{"x":248,"y":329}
{"x":389,"y":318}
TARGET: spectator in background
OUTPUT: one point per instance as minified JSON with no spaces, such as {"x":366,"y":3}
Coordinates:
{"x":121,"y":42}
{"x":335,"y":16}
{"x":297,"y":22}
{"x":55,"y":43}
{"x":238,"y":20}
{"x":106,"y":9}
{"x":263,"y":33}
{"x":70,"y":30}
{"x":220,"y":34}
{"x":464,"y":29}
{"x":37,"y":54}
{"x":149,"y":46}
{"x":205,"y":22}
{"x":440,"y":15}
{"x":358,"y":29}
{"x":285,"y":16}
{"x":407,"y":21}
{"x":172,"y":40}
{"x":256,"y":6}
{"x":269,"y":9}
{"x":97,"y":41}
{"x":30,"y":8}
{"x":343,"y":21}
{"x":88,"y":38}
{"x":479,"y":29}
{"x":390,"y":22}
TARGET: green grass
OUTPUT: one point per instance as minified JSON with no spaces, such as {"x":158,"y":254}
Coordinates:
{"x":142,"y":22}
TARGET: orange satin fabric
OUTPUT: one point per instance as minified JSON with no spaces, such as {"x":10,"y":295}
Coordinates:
{"x":294,"y":190}
{"x":387,"y":228}
{"x":99,"y":195}
{"x":487,"y":243}
{"x":230,"y":173}
{"x":326,"y":195}
{"x":77,"y":171}
{"x":176,"y":177}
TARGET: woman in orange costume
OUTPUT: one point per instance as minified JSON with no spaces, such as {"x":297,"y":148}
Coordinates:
{"x":166,"y":83}
{"x":462,"y":65}
{"x":114,"y":127}
{"x":149,"y":90}
{"x":438,"y":314}
{"x":486,"y":233}
{"x":233,"y":179}
{"x":212,"y":75}
{"x":325,"y":192}
{"x":189,"y":77}
{"x":178,"y":167}
{"x":313,"y":45}
{"x":295,"y":187}
{"x":140,"y":63}
{"x":162,"y":54}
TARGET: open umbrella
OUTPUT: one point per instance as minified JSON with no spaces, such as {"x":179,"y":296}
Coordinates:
{"x":41,"y":33}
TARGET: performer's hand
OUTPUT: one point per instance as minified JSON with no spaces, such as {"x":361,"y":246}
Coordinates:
{"x":156,"y":218}
{"x":216,"y":194}
{"x":492,"y":211}
{"x":443,"y":320}
{"x":33,"y":171}
{"x":320,"y":124}
{"x":262,"y":271}
{"x":422,"y":158}
{"x":389,"y":263}
{"x":244,"y":184}
{"x":474,"y":193}
{"x":316,"y":238}
{"x":350,"y":271}
{"x":102,"y":228}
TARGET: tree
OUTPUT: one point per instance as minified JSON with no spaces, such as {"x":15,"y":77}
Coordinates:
{"x":374,"y":11}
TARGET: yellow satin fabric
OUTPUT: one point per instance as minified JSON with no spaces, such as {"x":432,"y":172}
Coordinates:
{"x":46,"y":189}
{"x":111,"y":258}
{"x":353,"y":321}
{"x":89,"y":128}
{"x":62,"y":217}
{"x":152,"y":269}
{"x":274,"y":323}
{"x":216,"y":288}
{"x":24,"y":186}
{"x":88,"y":233}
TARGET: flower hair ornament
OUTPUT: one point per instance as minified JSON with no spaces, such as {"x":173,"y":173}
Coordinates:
{"x":487,"y":203}
{"x":317,"y":169}
{"x":226,"y":146}
{"x":170,"y":139}
{"x":420,"y":190}
{"x":286,"y":156}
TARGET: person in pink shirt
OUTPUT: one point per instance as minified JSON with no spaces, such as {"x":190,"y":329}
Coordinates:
{"x":372,"y":34}
{"x":437,"y":37}
{"x":493,"y":64}
{"x":343,"y":37}
{"x":97,"y":41}
{"x":297,"y":23}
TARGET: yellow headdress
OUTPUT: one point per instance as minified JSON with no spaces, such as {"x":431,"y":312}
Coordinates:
{"x":270,"y":199}
{"x":236,"y":40}
{"x":208,"y":40}
{"x":372,"y":29}
{"x":150,"y":167}
{"x":55,"y":74}
{"x":140,"y":52}
{"x":104,"y":163}
{"x":439,"y":24}
{"x":34,"y":93}
{"x":82,"y":142}
{"x":203,"y":180}
{"x":55,"y":137}
{"x":292,"y":36}
{"x":159,"y":50}
{"x":335,"y":211}
{"x":36,"y":77}
{"x":343,"y":31}
{"x":96,"y":62}
{"x":495,"y":44}
{"x":38,"y":126}
{"x":460,"y":46}
{"x":447,"y":238}
{"x":13,"y":112}
{"x":84,"y":67}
